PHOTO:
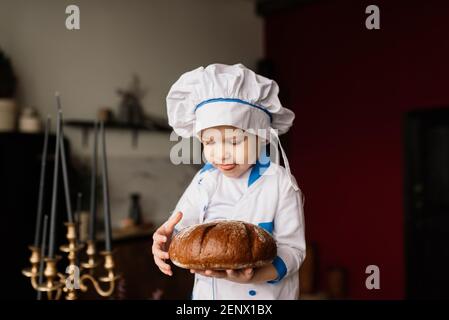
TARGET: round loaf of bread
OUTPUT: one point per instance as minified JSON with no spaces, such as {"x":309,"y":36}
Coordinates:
{"x":222,"y":245}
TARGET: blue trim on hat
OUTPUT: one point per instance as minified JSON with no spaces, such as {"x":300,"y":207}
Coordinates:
{"x":259,"y":168}
{"x":235,"y":100}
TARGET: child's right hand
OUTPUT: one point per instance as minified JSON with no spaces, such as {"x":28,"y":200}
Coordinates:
{"x":160,"y":243}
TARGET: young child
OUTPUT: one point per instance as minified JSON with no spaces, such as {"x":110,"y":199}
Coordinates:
{"x":235,"y":113}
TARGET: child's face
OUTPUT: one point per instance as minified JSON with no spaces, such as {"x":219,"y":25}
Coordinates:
{"x":231,"y":150}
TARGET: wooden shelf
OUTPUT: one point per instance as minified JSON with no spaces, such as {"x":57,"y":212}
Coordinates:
{"x":121,"y":234}
{"x":152,"y":125}
{"x":86,"y":124}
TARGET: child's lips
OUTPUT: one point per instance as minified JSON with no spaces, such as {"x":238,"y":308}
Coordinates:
{"x":226,"y":167}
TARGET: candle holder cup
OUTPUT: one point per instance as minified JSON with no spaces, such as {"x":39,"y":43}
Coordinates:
{"x":91,"y":251}
{"x":35,"y":259}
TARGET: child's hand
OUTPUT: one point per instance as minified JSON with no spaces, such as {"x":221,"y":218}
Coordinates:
{"x":160,"y":243}
{"x":239,"y":276}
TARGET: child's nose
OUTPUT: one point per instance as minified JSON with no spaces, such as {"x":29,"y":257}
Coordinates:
{"x":222,"y":154}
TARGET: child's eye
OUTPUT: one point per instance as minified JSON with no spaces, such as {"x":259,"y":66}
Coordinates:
{"x":237,"y":141}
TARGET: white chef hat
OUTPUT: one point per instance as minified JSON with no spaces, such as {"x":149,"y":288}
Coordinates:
{"x":227,"y":95}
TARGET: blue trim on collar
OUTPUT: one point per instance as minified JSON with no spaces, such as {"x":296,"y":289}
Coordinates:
{"x":207,"y":166}
{"x":234,"y":100}
{"x":259,"y":168}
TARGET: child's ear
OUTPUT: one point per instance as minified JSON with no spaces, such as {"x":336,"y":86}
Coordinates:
{"x":260,"y":145}
{"x":261,"y":141}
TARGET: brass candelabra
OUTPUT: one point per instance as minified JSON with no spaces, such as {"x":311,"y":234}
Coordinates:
{"x":55,"y":283}
{"x":43,"y":272}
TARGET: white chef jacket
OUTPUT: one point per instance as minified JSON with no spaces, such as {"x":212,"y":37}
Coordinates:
{"x":269,"y":201}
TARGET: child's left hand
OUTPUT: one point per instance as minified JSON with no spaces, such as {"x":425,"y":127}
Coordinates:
{"x":240,"y":275}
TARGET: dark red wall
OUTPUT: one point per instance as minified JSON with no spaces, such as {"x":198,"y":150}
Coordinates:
{"x":349,"y":88}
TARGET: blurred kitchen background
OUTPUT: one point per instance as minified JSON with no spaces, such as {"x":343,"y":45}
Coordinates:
{"x":369,"y":147}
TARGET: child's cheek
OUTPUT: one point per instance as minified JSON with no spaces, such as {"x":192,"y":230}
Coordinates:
{"x":252,"y":151}
{"x":240,"y":153}
{"x":208,"y":154}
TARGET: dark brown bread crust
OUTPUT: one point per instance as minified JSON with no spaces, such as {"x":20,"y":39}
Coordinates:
{"x":222,"y":245}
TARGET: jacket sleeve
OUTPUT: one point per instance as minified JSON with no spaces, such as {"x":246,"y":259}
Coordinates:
{"x":289,"y":231}
{"x":189,"y":204}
